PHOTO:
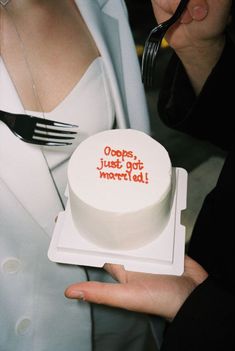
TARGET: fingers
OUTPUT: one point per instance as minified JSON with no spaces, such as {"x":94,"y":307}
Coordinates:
{"x":186,"y":18}
{"x":195,"y":271}
{"x":117,"y":272}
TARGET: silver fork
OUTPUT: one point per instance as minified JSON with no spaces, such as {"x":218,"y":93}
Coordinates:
{"x":153,"y":43}
{"x":37,"y":130}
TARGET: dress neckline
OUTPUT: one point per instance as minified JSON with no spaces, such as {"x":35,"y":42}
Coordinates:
{"x":95,"y":63}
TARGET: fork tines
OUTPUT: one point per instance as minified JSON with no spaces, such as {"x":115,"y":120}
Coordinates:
{"x":153,"y":43}
{"x":43,"y":121}
{"x":40,"y":131}
{"x":47,"y":131}
{"x":150,"y":52}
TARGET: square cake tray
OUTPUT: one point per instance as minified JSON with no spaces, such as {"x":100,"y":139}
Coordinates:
{"x":163,"y":255}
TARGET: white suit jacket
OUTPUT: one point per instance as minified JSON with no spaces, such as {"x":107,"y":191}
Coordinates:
{"x":35,"y":316}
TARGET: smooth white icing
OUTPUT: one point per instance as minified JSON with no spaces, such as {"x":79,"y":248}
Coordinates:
{"x":128,"y":205}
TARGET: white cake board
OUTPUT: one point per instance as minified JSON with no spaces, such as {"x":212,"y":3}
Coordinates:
{"x":164,"y":255}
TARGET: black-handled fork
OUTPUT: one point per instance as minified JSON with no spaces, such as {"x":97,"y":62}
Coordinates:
{"x":153,"y":44}
{"x":39,"y":131}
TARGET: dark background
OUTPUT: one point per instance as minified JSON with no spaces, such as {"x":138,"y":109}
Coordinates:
{"x":141,"y":18}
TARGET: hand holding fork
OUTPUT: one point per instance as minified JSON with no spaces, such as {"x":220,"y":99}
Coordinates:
{"x":153,"y":43}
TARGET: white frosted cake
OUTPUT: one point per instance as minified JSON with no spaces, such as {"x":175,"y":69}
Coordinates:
{"x":120,"y":189}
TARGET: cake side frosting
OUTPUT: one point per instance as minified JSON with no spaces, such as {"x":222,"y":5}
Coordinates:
{"x":120,"y":188}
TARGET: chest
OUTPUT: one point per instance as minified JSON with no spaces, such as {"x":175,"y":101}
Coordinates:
{"x":46,"y":51}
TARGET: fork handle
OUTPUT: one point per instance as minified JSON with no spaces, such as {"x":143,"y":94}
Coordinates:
{"x":8,"y":118}
{"x":178,"y":12}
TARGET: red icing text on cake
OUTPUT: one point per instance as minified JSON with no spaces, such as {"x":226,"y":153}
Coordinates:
{"x":121,"y":165}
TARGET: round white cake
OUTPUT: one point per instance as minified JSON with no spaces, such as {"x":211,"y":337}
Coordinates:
{"x":120,"y":189}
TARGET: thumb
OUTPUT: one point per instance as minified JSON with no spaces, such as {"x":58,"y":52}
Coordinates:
{"x":198,"y":11}
{"x":195,"y":12}
{"x":110,"y":294}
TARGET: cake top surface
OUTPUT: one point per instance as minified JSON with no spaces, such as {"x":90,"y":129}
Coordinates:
{"x":120,"y":170}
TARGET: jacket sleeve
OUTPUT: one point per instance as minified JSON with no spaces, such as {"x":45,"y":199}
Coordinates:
{"x":208,"y":116}
{"x":210,"y":327}
{"x":207,"y":318}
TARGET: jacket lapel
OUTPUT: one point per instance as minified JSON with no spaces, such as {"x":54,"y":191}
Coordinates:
{"x":105,"y":31}
{"x":23,"y":167}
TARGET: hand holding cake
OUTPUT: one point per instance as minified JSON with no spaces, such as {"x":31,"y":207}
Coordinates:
{"x":142,"y":292}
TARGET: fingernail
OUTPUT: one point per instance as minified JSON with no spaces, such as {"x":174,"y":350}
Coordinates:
{"x":75,"y":294}
{"x":199,"y":12}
